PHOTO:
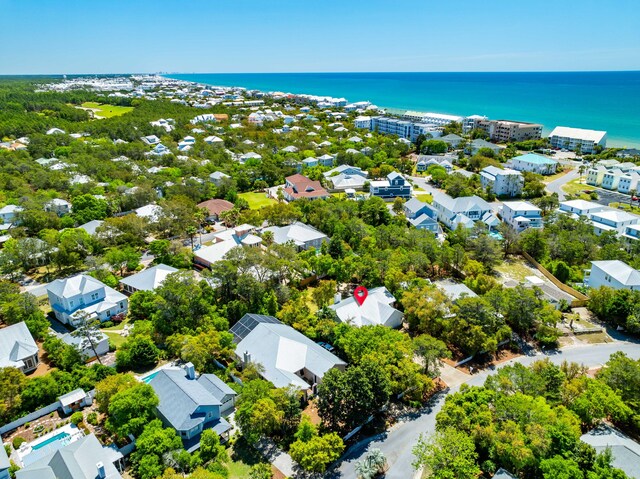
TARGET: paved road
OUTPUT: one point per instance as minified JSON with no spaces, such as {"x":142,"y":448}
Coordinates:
{"x":397,"y":443}
{"x":556,"y":185}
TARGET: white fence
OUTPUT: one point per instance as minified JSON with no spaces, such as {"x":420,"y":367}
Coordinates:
{"x":30,"y":417}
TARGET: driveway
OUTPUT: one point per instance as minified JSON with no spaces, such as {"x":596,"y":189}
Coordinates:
{"x":397,"y":443}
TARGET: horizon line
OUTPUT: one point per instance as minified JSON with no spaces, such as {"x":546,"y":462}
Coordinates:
{"x":316,"y":72}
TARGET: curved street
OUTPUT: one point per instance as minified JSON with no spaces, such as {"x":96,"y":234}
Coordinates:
{"x":397,"y":443}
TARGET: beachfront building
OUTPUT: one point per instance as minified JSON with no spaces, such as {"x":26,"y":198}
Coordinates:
{"x":362,"y":122}
{"x":403,"y":128}
{"x":505,"y":131}
{"x":534,"y":164}
{"x":73,"y":298}
{"x":465,"y":210}
{"x":505,"y":182}
{"x":17,"y":348}
{"x":614,"y":274}
{"x":395,"y":186}
{"x":439,"y":119}
{"x":471,"y":122}
{"x":521,"y":215}
{"x":577,"y":139}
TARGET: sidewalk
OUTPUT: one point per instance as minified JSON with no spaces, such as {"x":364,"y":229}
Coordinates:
{"x":452,"y":376}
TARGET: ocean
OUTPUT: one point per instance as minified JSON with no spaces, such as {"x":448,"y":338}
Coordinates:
{"x":607,"y":101}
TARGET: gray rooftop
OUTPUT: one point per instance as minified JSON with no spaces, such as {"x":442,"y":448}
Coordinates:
{"x":298,"y":233}
{"x":625,"y":451}
{"x":180,"y":397}
{"x":150,"y":278}
{"x":78,"y":460}
{"x":455,"y":291}
{"x":282,"y":351}
{"x":16,"y":344}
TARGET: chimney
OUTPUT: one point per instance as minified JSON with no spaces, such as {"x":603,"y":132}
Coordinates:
{"x":246,"y":358}
{"x":101,"y":472}
{"x":337,"y":298}
{"x":191,"y":370}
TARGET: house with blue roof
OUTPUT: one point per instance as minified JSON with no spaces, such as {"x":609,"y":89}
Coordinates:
{"x":191,"y":404}
{"x":534,"y":164}
{"x":395,"y":186}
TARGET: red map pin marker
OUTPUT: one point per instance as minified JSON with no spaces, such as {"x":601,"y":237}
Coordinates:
{"x":360,"y":294}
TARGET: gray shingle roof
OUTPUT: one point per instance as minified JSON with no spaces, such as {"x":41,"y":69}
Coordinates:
{"x":180,"y":397}
{"x":297,"y":232}
{"x":216,"y":386}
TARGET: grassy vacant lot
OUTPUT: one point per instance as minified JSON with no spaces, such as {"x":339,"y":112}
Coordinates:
{"x":107,"y":111}
{"x":241,"y":457}
{"x":425,"y":197}
{"x":516,"y":269}
{"x":577,"y":186}
{"x":257,"y":200}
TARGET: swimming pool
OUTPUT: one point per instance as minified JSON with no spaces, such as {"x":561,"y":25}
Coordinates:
{"x":147,"y":379}
{"x":57,"y":437}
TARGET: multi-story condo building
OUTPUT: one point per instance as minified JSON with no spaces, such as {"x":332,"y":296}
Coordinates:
{"x":595,"y":175}
{"x":577,"y":139}
{"x":612,"y":220}
{"x":402,"y":128}
{"x":471,"y":122}
{"x":580,"y":207}
{"x":504,"y":131}
{"x":611,"y":179}
{"x":521,"y":215}
{"x":439,"y":119}
{"x":629,"y":182}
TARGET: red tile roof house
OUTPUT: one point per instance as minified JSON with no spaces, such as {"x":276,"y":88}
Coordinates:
{"x":215,"y":207}
{"x":299,"y":186}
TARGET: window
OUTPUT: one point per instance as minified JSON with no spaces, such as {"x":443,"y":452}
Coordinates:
{"x":94,"y":296}
{"x":71,"y":304}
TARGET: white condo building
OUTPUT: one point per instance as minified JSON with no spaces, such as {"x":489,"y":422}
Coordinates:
{"x":572,"y":138}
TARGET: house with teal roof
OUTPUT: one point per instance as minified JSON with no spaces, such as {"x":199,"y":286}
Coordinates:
{"x":534,"y":163}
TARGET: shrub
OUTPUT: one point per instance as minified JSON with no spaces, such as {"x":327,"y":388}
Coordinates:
{"x":107,"y":324}
{"x":17,"y":441}
{"x":76,"y":418}
{"x":92,"y":418}
{"x":27,"y":425}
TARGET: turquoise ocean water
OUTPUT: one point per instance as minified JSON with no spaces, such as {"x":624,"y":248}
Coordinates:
{"x":596,"y":100}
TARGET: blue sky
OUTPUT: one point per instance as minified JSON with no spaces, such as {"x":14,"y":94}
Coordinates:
{"x":122,"y":36}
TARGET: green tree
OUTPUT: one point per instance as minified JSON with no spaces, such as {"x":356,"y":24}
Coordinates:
{"x":110,"y":386}
{"x":449,"y":454}
{"x":131,"y":409}
{"x":153,"y":442}
{"x":317,"y":453}
{"x":137,"y":352}
{"x":431,"y":351}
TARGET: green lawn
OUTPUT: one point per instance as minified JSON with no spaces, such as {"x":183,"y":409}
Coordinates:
{"x":626,"y":207}
{"x":577,"y":186}
{"x":107,"y":111}
{"x":115,"y":338}
{"x":257,"y":200}
{"x":241,"y":457}
{"x":425,"y":197}
{"x":515,"y":269}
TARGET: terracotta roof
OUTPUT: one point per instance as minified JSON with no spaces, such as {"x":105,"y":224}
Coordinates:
{"x":215,"y":207}
{"x":304,"y":187}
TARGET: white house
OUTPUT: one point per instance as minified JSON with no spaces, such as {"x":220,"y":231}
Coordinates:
{"x":362,"y":122}
{"x":611,"y":179}
{"x":17,"y":348}
{"x":58,"y":206}
{"x":147,"y":280}
{"x":612,"y":220}
{"x":580,"y":207}
{"x":82,"y":344}
{"x":377,"y":309}
{"x":505,"y":182}
{"x":628,"y":182}
{"x":614,"y":274}
{"x":596,"y":174}
{"x":521,"y":215}
{"x":8,"y":213}
{"x":577,"y":138}
{"x":218,"y":177}
{"x":73,"y":297}
{"x":224,"y":242}
{"x":534,"y":163}
{"x":465,"y":210}
{"x":300,"y":234}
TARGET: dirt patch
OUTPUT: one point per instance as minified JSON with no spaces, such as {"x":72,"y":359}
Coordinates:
{"x":276,"y":474}
{"x":312,"y":412}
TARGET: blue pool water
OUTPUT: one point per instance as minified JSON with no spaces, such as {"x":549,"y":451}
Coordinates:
{"x":57,"y":437}
{"x":147,"y":379}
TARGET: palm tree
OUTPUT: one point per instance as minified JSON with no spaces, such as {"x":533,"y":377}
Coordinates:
{"x":372,"y":465}
{"x":581,"y":170}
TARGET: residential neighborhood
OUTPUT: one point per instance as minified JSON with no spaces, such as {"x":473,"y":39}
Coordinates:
{"x":218,"y":281}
